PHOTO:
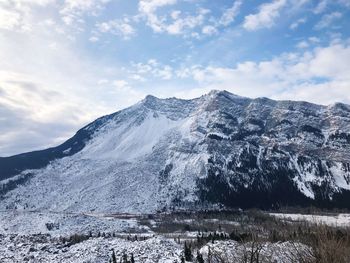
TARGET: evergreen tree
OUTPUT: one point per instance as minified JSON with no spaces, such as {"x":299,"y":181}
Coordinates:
{"x":198,"y":239}
{"x":114,"y":259}
{"x":199,"y":257}
{"x":188,"y":252}
{"x":125,"y":258}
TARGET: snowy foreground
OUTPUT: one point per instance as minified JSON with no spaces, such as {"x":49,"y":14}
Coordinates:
{"x":95,"y":250}
{"x":43,"y":237}
{"x":157,"y":249}
{"x":19,"y":222}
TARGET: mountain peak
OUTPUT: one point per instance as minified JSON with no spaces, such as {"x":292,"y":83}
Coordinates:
{"x":211,"y":94}
{"x":215,"y":92}
{"x":150,"y":98}
{"x":223,"y":93}
{"x":150,"y":101}
{"x":219,"y":148}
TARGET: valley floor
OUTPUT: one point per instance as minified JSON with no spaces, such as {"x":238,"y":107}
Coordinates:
{"x":216,"y":237}
{"x":341,"y":220}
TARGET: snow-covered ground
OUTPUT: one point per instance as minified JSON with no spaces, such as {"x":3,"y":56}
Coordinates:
{"x":43,"y":249}
{"x":341,"y":220}
{"x":31,"y":249}
{"x":25,"y":237}
{"x":26,"y":222}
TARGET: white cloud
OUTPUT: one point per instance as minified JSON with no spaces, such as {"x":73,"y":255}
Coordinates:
{"x":302,"y":44}
{"x":230,"y":14}
{"x":121,"y":84}
{"x":33,"y":2}
{"x":94,"y":39}
{"x":296,"y":4}
{"x":165,"y":72}
{"x":137,"y":77}
{"x":297,"y":23}
{"x":175,"y":22}
{"x":101,"y":82}
{"x":20,"y":92}
{"x":73,"y":10}
{"x":34,"y":116}
{"x":150,"y":6}
{"x":327,"y":20}
{"x":314,"y":40}
{"x":148,"y":9}
{"x":45,"y":68}
{"x":117,"y":27}
{"x":307,"y":43}
{"x":181,"y":25}
{"x":266,"y":16}
{"x":175,"y":14}
{"x":209,"y":30}
{"x":18,"y":15}
{"x":321,"y":6}
{"x":293,"y":76}
{"x":9,"y":19}
{"x":345,"y":3}
{"x":151,"y":69}
{"x":42,"y":79}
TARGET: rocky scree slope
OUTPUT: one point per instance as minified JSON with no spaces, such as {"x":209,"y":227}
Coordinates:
{"x":218,"y":149}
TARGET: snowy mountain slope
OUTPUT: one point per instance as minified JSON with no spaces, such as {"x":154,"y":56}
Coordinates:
{"x":170,"y":153}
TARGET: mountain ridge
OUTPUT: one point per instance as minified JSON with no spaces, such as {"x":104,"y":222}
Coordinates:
{"x":152,"y":97}
{"x":219,"y":148}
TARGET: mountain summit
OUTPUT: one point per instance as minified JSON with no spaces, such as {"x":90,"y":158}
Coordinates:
{"x":218,"y":149}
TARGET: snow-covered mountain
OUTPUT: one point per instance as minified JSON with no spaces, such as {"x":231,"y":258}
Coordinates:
{"x":219,"y":149}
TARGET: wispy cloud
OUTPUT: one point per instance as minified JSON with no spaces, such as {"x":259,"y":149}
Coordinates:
{"x":321,"y":6}
{"x":289,"y":76}
{"x":150,"y":70}
{"x":121,"y":28}
{"x":302,"y":44}
{"x":328,"y":19}
{"x":266,"y":16}
{"x":73,"y":10}
{"x":175,"y":23}
{"x":148,"y":9}
{"x":297,"y":23}
{"x":29,"y":111}
{"x":63,"y":62}
{"x":9,"y":19}
{"x":230,"y":14}
{"x":188,"y":25}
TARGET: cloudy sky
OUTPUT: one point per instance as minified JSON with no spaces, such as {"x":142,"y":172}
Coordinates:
{"x":64,"y":63}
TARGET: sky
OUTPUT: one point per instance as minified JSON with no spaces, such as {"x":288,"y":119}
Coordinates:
{"x":63,"y":63}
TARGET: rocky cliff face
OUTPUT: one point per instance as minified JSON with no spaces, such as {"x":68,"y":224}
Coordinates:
{"x":219,"y":149}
